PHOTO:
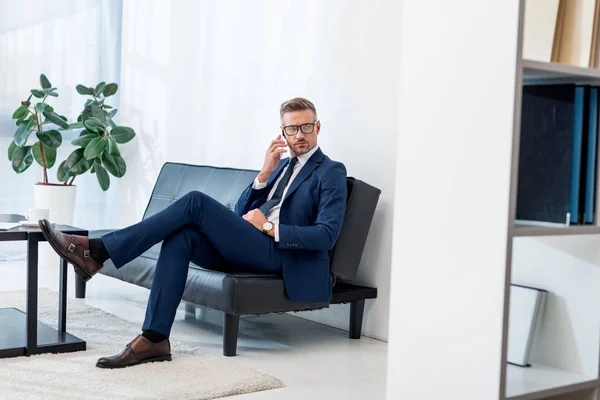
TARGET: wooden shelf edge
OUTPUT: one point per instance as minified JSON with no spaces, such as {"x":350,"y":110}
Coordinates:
{"x":532,"y":231}
{"x":542,"y":394}
{"x":551,"y":72}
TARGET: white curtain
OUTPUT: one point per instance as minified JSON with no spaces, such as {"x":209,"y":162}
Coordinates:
{"x":203,"y":81}
{"x":72,"y":42}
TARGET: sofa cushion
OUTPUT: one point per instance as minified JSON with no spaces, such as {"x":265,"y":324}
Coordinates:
{"x":228,"y":291}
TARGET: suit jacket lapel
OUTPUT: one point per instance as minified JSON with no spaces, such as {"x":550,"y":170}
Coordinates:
{"x":312,"y":163}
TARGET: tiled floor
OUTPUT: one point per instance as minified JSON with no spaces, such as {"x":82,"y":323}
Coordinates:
{"x":314,"y":361}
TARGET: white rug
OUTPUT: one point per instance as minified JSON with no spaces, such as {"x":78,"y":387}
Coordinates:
{"x":193,"y":374}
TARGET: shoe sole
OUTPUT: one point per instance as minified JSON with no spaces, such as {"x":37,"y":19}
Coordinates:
{"x":148,"y":360}
{"x":78,"y":270}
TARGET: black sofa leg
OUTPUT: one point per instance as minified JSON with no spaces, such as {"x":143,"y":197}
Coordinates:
{"x":231,"y":324}
{"x":79,"y":287}
{"x":357,"y":309}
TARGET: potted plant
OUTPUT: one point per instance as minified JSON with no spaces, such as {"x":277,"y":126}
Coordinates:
{"x":98,"y":150}
{"x":41,"y":118}
{"x":97,"y":144}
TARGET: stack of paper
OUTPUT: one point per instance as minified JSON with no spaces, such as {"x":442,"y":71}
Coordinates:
{"x":5,"y":226}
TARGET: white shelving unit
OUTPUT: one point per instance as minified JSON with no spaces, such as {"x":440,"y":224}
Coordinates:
{"x":565,"y":261}
{"x":457,"y":246}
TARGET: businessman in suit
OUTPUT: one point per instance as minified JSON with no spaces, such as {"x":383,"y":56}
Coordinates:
{"x":285,"y":222}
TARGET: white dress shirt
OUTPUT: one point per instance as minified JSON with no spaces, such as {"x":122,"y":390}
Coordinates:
{"x":273,"y":213}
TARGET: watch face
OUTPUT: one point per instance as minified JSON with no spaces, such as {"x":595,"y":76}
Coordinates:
{"x":268,"y":226}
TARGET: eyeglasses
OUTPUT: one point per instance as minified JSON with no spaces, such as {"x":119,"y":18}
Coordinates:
{"x":292,"y":130}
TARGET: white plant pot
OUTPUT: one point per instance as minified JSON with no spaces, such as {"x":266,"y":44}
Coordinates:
{"x":60,"y":199}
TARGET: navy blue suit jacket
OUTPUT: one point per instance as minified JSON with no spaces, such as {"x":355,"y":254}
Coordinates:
{"x":310,"y":220}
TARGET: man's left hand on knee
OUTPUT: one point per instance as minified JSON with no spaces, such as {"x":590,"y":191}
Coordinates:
{"x":258,"y":219}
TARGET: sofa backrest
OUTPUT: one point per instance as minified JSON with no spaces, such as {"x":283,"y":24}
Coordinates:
{"x":227,"y":184}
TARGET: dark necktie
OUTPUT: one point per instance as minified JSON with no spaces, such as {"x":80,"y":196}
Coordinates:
{"x":280,"y":187}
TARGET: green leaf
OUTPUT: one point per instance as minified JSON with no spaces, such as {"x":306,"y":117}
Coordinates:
{"x":85,"y":139}
{"x":20,"y":112}
{"x":110,"y":89}
{"x":22,"y":159}
{"x":84,"y":90}
{"x":37,"y":93}
{"x":20,"y":121}
{"x":52,"y":92}
{"x":112,"y":147}
{"x":76,"y":163}
{"x":94,"y":125}
{"x":106,"y":106}
{"x":48,"y":152}
{"x":45,"y":82}
{"x":102,"y":175}
{"x":11,"y":150}
{"x":95,"y":148}
{"x":122,"y":134}
{"x":52,"y":139}
{"x":61,"y":174}
{"x":23,"y":132}
{"x":112,"y":113}
{"x":99,"y":88}
{"x":54,"y":118}
{"x":41,"y":107}
{"x":115,"y":165}
{"x":93,"y":110}
{"x":93,"y":170}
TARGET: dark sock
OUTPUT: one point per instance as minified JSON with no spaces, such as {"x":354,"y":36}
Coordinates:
{"x":98,"y":251}
{"x":154,"y":337}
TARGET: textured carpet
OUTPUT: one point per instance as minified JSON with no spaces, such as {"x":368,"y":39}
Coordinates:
{"x":193,"y":373}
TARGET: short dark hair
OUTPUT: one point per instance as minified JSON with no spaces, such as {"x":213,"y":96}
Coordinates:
{"x":297,"y":104}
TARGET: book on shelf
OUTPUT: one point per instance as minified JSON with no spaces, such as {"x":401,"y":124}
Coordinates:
{"x":591,"y":154}
{"x":562,"y":31}
{"x":558,"y":160}
{"x":540,"y":28}
{"x":525,"y":316}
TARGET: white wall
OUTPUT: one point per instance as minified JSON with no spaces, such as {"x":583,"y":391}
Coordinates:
{"x":202,"y":83}
{"x":455,"y":111}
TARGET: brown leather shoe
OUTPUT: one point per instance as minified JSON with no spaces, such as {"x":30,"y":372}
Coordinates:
{"x":138,"y":351}
{"x":73,"y":248}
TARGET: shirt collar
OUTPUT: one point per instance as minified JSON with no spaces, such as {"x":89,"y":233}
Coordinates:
{"x":303,"y":158}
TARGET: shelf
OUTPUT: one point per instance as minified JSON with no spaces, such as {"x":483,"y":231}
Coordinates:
{"x":543,"y":72}
{"x":540,"y":381}
{"x":558,"y":230}
{"x":13,"y":337}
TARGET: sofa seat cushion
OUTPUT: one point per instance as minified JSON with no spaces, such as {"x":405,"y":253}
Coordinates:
{"x":231,"y":292}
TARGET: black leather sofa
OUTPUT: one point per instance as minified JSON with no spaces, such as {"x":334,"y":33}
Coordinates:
{"x":238,"y":294}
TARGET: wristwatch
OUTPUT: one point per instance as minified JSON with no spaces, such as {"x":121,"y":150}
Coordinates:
{"x":267,"y":226}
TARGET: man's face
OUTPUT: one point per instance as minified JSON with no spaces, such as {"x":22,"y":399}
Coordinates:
{"x":301,"y":142}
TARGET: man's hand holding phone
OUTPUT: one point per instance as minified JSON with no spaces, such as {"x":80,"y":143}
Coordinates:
{"x":272,"y":158}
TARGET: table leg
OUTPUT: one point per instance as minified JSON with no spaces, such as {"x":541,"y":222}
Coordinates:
{"x":32,"y":294}
{"x":62,"y":296}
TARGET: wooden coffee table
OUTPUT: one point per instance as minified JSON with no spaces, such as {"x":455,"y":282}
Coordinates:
{"x":21,"y":333}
